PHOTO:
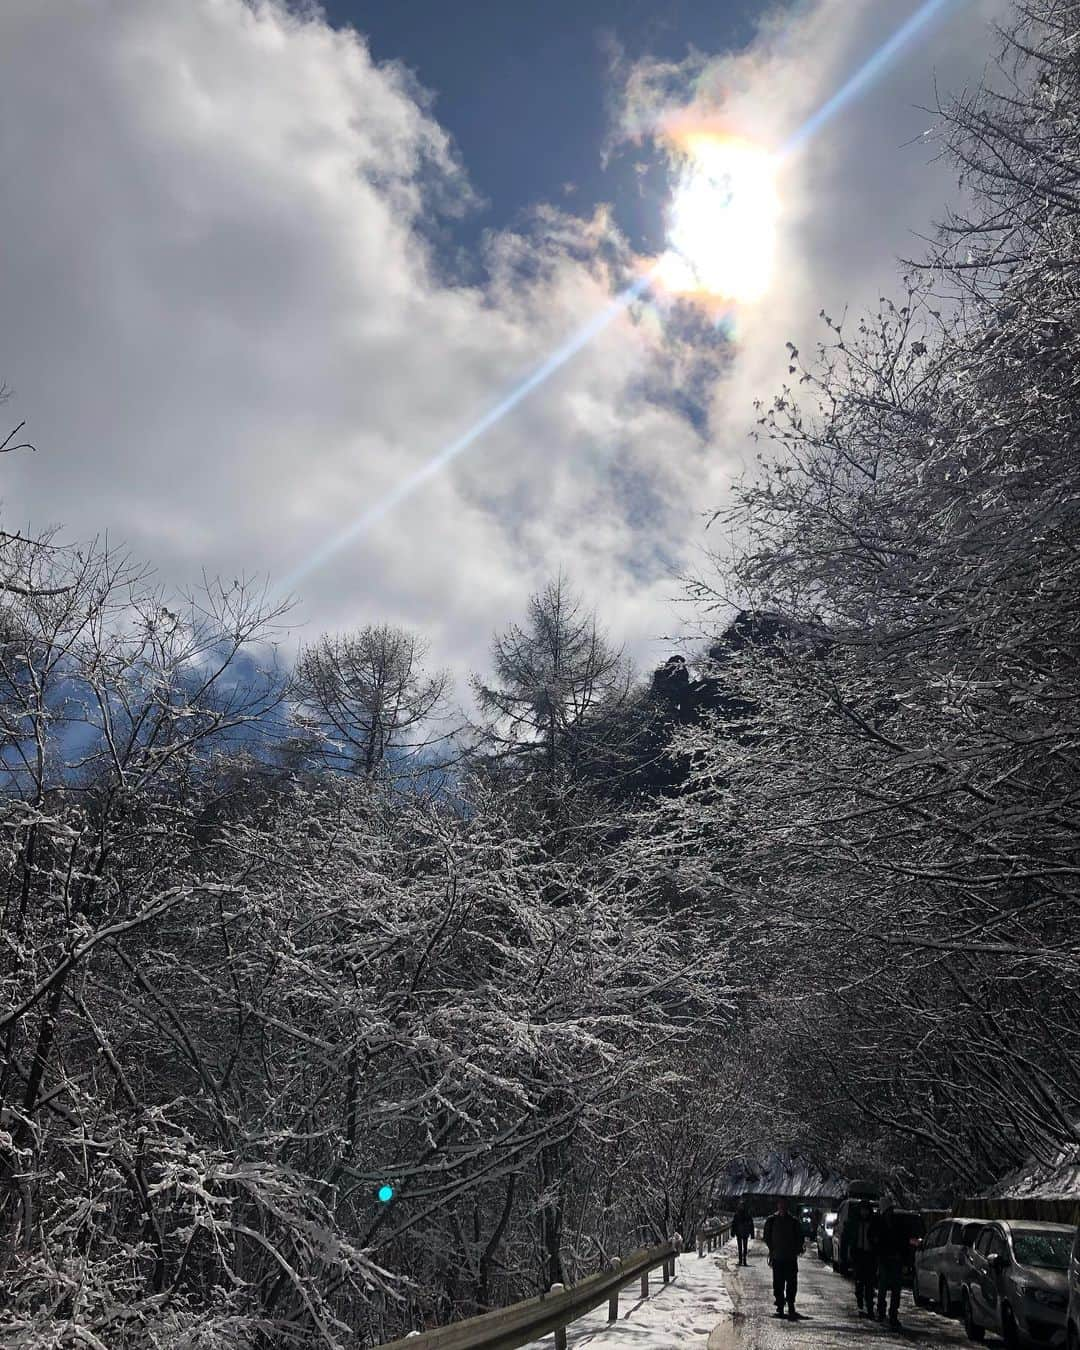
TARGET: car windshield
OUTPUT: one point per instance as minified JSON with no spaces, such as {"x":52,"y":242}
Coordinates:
{"x":1050,"y":1250}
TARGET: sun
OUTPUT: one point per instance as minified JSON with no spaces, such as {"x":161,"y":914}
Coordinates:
{"x":722,"y":220}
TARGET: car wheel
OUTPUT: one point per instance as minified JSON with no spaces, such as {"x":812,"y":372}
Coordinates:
{"x":1009,"y":1332}
{"x":944,"y":1298}
{"x":972,"y":1330}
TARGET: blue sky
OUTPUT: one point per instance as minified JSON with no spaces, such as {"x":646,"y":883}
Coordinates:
{"x":245,"y":294}
{"x":525,"y":88}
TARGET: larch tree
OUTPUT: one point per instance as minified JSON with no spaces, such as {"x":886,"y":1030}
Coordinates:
{"x":554,"y":680}
{"x":365,"y":703}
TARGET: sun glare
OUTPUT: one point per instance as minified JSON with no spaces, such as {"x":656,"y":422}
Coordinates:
{"x":722,"y":220}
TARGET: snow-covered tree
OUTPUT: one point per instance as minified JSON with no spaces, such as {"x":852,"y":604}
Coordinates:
{"x":364,"y":700}
{"x":556,"y":683}
{"x":898,"y":761}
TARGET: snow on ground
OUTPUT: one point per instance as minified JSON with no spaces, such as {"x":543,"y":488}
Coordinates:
{"x":681,"y":1313}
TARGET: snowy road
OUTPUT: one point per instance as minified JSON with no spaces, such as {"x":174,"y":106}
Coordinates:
{"x":827,"y":1304}
{"x":712,"y":1304}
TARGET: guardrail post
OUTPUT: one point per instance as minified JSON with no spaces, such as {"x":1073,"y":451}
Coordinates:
{"x":560,"y":1332}
{"x":700,"y":1243}
{"x":644,"y":1284}
{"x":613,"y":1301}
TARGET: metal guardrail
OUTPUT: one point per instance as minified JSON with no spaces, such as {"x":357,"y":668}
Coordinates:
{"x":520,"y":1323}
{"x":709,"y":1238}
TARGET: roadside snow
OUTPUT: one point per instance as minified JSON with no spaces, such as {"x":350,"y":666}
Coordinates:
{"x":681,"y":1313}
{"x":1057,"y":1180}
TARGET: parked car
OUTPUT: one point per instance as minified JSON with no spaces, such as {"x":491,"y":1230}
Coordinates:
{"x":1073,"y":1333}
{"x":941,"y":1262}
{"x":807,"y":1216}
{"x":825,"y":1232}
{"x":858,"y":1191}
{"x":1017,"y":1283}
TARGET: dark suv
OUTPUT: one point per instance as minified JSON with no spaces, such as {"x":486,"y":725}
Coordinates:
{"x":858,"y":1191}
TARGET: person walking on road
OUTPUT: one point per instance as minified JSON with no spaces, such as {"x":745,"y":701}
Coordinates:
{"x":786,"y":1242}
{"x":742,"y":1225}
{"x":890,"y":1241}
{"x":860,"y":1243}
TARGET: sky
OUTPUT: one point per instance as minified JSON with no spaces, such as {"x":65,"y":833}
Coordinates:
{"x":260,"y":262}
{"x":527,"y":91}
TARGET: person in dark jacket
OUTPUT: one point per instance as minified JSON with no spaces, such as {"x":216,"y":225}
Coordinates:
{"x":742,"y":1225}
{"x":890,"y":1240}
{"x":859,"y":1238}
{"x":786,"y":1242}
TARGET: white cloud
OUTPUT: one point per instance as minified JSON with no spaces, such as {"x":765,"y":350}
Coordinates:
{"x":222,"y":320}
{"x":858,"y":193}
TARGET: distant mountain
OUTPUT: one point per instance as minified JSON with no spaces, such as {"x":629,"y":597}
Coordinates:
{"x":783,"y":1172}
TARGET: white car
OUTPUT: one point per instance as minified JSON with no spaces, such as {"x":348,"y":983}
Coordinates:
{"x":825,"y":1231}
{"x":941,"y":1262}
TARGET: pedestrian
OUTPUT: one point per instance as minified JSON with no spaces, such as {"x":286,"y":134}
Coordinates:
{"x":786,"y":1242}
{"x":860,"y":1243}
{"x":742,"y":1225}
{"x":890,"y":1240}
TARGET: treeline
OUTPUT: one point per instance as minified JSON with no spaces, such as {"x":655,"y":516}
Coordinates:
{"x":897,"y":764}
{"x":275,"y":940}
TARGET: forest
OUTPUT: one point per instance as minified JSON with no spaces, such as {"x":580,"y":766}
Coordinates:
{"x":338,"y":1002}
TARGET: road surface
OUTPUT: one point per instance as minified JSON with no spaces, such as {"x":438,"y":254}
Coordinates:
{"x":827,"y":1304}
{"x":713,"y":1304}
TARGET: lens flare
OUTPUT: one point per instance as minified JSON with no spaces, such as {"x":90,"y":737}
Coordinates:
{"x":722,"y":227}
{"x":722,"y":221}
